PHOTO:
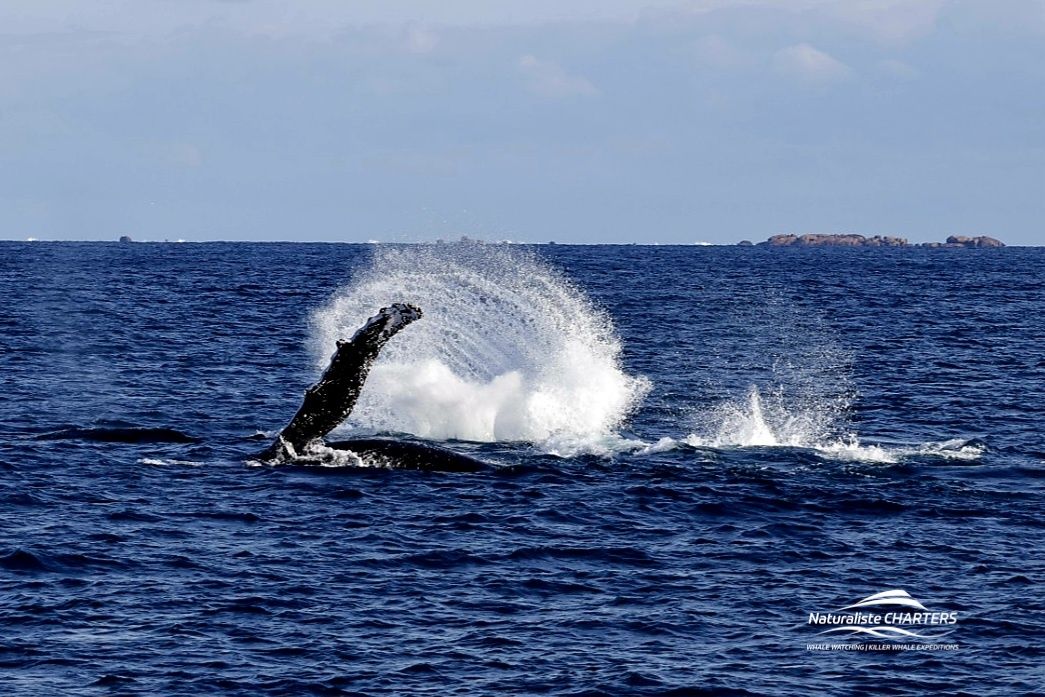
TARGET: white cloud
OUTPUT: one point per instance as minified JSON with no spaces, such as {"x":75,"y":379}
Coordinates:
{"x":549,"y":79}
{"x":420,"y":39}
{"x":809,"y":64}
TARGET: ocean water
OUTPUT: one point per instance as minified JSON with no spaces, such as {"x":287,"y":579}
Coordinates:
{"x":693,"y":449}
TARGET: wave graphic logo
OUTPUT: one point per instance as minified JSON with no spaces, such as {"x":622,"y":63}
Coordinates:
{"x":890,"y":616}
{"x":898,"y":597}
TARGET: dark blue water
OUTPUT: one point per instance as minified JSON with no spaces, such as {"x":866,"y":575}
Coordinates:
{"x":170,"y":566}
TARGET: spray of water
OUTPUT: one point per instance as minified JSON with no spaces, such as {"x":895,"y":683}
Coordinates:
{"x":816,"y":423}
{"x":774,"y":420}
{"x":508,"y":349}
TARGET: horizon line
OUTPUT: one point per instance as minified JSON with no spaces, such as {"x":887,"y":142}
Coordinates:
{"x":549,"y":243}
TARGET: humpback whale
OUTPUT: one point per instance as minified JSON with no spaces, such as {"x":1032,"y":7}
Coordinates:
{"x":329,"y":402}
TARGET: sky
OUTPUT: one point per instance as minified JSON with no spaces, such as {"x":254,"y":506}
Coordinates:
{"x":583,"y":121}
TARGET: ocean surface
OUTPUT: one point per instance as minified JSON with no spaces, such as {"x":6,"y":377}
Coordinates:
{"x":692,"y":450}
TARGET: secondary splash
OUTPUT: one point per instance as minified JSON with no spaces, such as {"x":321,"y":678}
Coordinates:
{"x":819,"y":425}
{"x":509,"y":350}
{"x":773,"y":421}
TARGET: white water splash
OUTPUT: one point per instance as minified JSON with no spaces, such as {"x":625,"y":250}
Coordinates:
{"x":771,"y":421}
{"x":159,"y":462}
{"x":818,"y":425}
{"x":507,"y":350}
{"x":318,"y":453}
{"x":954,"y":449}
{"x":606,"y":446}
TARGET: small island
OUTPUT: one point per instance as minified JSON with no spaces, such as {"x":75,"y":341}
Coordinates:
{"x":849,"y":240}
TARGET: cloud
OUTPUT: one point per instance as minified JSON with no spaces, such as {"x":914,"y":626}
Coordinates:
{"x":549,"y":79}
{"x":420,"y":39}
{"x":808,"y":64}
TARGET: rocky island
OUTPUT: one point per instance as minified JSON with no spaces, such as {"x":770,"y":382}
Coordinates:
{"x":848,"y":240}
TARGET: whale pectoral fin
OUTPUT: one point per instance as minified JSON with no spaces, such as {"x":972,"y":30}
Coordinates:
{"x":329,"y":402}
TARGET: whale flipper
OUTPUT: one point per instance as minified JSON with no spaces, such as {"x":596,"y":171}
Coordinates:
{"x":331,"y":400}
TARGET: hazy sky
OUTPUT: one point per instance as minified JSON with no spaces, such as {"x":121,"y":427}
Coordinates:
{"x":575,"y":121}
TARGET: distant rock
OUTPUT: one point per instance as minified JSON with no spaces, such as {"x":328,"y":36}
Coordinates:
{"x":851,"y":240}
{"x":834,"y":241}
{"x":887,"y":241}
{"x":981,"y":241}
{"x":125,"y":238}
{"x":745,"y":243}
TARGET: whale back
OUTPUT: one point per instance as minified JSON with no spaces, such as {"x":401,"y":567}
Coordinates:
{"x":396,"y":454}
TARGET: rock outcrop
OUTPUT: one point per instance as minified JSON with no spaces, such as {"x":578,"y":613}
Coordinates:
{"x":835,"y":241}
{"x":981,"y":241}
{"x":850,"y":240}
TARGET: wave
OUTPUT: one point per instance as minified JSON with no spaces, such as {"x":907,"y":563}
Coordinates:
{"x":134,"y":434}
{"x":160,"y":462}
{"x":509,"y":350}
{"x":24,"y":560}
{"x":954,"y":449}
